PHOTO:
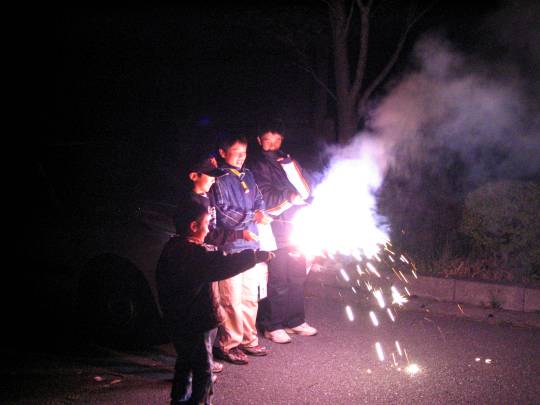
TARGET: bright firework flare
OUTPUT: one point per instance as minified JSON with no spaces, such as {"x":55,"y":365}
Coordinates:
{"x":412,"y":369}
{"x":341,"y":218}
{"x":341,"y":221}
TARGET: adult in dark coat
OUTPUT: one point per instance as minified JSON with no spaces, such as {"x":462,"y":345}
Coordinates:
{"x":285,"y":189}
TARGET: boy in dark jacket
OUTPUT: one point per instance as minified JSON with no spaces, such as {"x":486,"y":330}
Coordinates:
{"x":184,"y":274}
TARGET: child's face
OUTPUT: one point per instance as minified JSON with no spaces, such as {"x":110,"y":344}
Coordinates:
{"x":202,"y":182}
{"x":235,"y":155}
{"x":200,"y":229}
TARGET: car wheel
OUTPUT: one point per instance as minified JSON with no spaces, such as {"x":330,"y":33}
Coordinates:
{"x":115,"y":304}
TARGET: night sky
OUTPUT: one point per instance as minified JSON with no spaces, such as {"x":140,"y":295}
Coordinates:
{"x":132,"y":90}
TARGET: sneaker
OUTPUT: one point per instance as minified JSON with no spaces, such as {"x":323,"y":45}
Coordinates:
{"x":217,"y":367}
{"x":234,"y":356}
{"x":254,"y":350}
{"x":277,"y":336}
{"x":303,"y":329}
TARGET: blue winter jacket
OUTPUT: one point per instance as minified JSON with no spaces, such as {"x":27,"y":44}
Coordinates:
{"x":237,"y":197}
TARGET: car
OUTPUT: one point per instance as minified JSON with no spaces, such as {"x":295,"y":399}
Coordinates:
{"x":91,"y":266}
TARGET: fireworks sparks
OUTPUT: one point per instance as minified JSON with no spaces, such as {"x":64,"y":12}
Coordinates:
{"x":345,"y":275}
{"x":390,"y":314}
{"x":379,"y":297}
{"x":372,"y":269}
{"x":397,"y":298}
{"x":403,"y":275}
{"x":349,"y":313}
{"x":379,"y":350}
{"x":412,"y":369}
{"x":398,"y":348}
{"x":374,"y":319}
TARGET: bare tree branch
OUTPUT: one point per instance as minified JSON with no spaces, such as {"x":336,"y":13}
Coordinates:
{"x":317,"y":79}
{"x":364,"y":44}
{"x":349,"y":17}
{"x":366,"y":94}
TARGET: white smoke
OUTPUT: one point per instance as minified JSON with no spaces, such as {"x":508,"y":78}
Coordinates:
{"x":470,"y":108}
{"x":484,"y":111}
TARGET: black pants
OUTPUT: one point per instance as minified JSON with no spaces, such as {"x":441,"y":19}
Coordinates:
{"x":192,"y":382}
{"x":284,"y":305}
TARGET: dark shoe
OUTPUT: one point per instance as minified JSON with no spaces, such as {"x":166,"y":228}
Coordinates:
{"x":254,"y":350}
{"x":234,"y":356}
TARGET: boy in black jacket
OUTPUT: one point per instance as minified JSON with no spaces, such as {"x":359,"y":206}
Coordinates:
{"x":184,"y":274}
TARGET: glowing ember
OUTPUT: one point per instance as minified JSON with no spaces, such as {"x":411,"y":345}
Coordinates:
{"x":412,"y":369}
{"x":488,"y":361}
{"x":359,"y":270}
{"x":390,"y":314}
{"x":379,"y":350}
{"x":374,"y":319}
{"x":373,"y":269}
{"x":403,"y":275}
{"x":379,"y":297}
{"x":349,"y":312}
{"x":398,"y":347}
{"x":477,"y":359}
{"x":344,"y":275}
{"x":397,"y":298}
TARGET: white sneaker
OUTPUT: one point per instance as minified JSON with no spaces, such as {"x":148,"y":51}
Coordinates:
{"x":303,"y":329}
{"x":277,"y":336}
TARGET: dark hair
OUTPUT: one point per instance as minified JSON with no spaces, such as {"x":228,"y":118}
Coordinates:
{"x":264,"y":129}
{"x":229,"y":140}
{"x":185,"y":214}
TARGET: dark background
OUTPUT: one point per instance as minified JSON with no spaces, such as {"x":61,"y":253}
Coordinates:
{"x":129,"y":93}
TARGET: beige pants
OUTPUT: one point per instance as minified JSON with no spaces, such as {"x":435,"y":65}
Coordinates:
{"x":239,"y":298}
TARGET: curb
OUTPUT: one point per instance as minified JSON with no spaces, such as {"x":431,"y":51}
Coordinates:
{"x":493,"y":303}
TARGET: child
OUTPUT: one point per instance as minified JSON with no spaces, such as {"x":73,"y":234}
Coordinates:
{"x":184,"y":274}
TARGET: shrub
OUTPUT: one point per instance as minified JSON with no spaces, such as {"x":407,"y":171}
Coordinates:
{"x":502,"y":219}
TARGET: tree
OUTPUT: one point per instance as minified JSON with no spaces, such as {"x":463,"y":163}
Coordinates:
{"x":350,"y":45}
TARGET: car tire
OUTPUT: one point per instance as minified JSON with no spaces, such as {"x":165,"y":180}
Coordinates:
{"x":115,"y":304}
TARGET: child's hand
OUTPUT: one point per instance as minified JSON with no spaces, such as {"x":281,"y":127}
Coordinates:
{"x":295,"y":199}
{"x":261,"y":218}
{"x":250,"y":236}
{"x":263,"y":256}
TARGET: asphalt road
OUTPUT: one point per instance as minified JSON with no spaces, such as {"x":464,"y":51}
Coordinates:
{"x":339,"y":366}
